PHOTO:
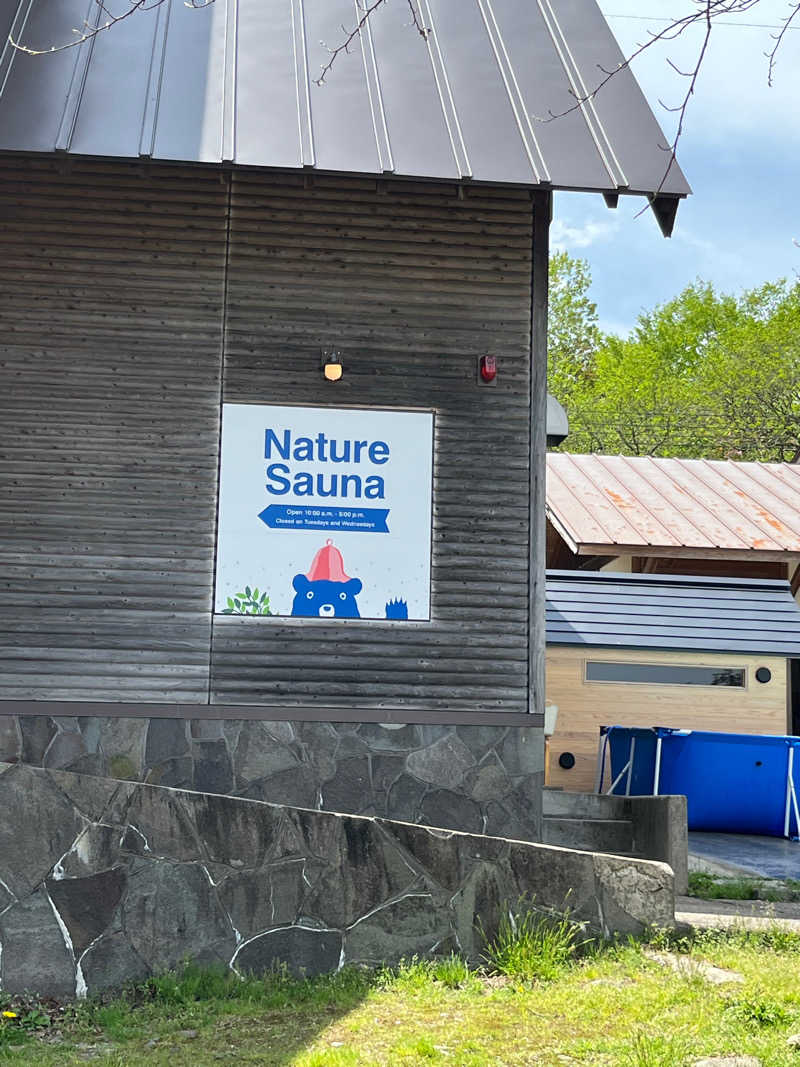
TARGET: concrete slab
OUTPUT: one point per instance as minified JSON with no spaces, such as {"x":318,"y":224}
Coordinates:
{"x":745,"y":854}
{"x":742,"y":914}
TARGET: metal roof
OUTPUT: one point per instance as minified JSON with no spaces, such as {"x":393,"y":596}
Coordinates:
{"x":672,"y":613}
{"x":234,"y":82}
{"x":610,"y":505}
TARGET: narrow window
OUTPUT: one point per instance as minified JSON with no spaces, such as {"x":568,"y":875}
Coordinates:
{"x":664,"y":674}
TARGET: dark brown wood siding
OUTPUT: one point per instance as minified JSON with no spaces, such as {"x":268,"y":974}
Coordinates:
{"x":111,"y":283}
{"x":113,"y":308}
{"x":413,"y":285}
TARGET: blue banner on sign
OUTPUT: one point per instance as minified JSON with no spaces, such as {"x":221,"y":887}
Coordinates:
{"x":307,"y":517}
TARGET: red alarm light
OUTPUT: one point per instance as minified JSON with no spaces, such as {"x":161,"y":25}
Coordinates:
{"x":488,"y":368}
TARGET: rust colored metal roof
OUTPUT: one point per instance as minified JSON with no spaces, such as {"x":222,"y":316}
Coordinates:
{"x":611,"y":505}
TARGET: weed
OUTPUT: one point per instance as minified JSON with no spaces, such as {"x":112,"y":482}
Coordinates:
{"x":718,"y":887}
{"x":452,"y":971}
{"x":34,"y":1020}
{"x":421,"y":1048}
{"x":12,"y":1036}
{"x":656,"y":1051}
{"x":534,"y":945}
{"x":193,"y":983}
{"x":714,"y":887}
{"x":757,"y":1011}
{"x":774,"y":938}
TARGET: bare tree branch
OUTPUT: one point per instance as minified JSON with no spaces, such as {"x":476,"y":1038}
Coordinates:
{"x":706,"y":12}
{"x":356,"y":32}
{"x":778,"y":37}
{"x":88,"y":31}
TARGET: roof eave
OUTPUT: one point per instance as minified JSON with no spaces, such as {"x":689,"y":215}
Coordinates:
{"x":680,"y":552}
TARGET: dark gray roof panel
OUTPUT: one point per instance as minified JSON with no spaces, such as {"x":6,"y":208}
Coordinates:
{"x":672,"y":613}
{"x":234,"y":82}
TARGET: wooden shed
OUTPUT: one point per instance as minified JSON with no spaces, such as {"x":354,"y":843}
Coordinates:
{"x":646,"y":650}
{"x":651,"y":515}
{"x":273,"y":406}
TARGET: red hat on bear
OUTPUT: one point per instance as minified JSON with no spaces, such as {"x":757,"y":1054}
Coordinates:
{"x":328,"y":565}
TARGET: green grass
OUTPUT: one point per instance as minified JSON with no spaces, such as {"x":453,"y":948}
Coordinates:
{"x":532,"y":945}
{"x":597,"y":1006}
{"x":717,"y":887}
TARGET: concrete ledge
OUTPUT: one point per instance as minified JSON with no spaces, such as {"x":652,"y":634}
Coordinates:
{"x":660,"y":831}
{"x":105,"y":881}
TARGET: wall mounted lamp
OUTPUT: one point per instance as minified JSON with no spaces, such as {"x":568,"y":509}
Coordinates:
{"x":332,"y":368}
{"x":487,"y":369}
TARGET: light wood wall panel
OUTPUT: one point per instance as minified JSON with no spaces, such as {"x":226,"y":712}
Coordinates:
{"x":412,"y":283}
{"x":111,"y":293}
{"x":583,"y":707}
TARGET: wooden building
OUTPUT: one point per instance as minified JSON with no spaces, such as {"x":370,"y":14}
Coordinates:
{"x":196,"y":235}
{"x":657,"y":650}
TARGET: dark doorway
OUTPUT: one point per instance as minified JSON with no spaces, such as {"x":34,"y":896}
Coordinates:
{"x":794,"y":695}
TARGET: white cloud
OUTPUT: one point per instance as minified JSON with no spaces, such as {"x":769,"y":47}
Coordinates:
{"x":566,"y":238}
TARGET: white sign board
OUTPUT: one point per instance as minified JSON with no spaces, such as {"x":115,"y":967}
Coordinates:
{"x":324,"y":512}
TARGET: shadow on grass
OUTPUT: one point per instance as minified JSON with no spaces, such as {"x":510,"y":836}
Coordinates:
{"x":203,"y":1015}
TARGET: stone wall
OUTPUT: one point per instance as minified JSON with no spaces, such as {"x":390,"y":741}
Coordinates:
{"x":480,"y":779}
{"x":104,"y":881}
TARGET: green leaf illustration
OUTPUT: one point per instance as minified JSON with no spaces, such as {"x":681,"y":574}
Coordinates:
{"x":250,"y":602}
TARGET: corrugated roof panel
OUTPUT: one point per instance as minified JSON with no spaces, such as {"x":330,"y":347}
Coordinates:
{"x":233,"y":81}
{"x":267,"y":79}
{"x":484,"y":111}
{"x":711,"y":490}
{"x":565,"y":143}
{"x":344,"y":128}
{"x":627,"y":130}
{"x":788,"y":474}
{"x":36,"y":89}
{"x":109,"y":111}
{"x":592,"y":497}
{"x":408,"y":89}
{"x":188,"y":122}
{"x":781,"y":481}
{"x":718,"y":506}
{"x":636,"y":511}
{"x":779,"y":520}
{"x":574,"y":521}
{"x":671,"y":613}
{"x":642,"y":492}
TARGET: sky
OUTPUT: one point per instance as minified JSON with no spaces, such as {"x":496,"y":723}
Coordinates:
{"x":740,"y":152}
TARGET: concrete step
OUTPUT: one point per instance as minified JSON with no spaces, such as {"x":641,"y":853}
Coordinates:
{"x":596,"y":835}
{"x":584,"y":805}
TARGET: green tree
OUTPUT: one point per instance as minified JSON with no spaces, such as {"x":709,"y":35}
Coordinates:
{"x":752,"y":377}
{"x":704,"y":374}
{"x":573,"y":334}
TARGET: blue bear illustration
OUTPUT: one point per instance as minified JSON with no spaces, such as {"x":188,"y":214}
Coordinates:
{"x":328,"y":592}
{"x":332,"y":600}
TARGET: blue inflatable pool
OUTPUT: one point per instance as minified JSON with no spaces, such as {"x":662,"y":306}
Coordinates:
{"x":733,"y":783}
